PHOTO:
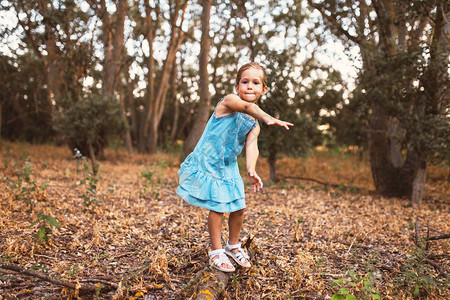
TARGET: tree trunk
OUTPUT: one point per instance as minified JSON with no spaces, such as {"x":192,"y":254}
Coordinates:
{"x":272,"y":159}
{"x":205,"y":98}
{"x":156,"y":104}
{"x":1,"y":111}
{"x":113,"y":43}
{"x":129,"y":87}
{"x":93,"y":159}
{"x":387,"y":175}
{"x":175,"y":103}
{"x":150,"y":36}
{"x":418,"y":188}
{"x":123,"y":114}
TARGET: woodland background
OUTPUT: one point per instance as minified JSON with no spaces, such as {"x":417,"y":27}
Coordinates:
{"x":101,"y":100}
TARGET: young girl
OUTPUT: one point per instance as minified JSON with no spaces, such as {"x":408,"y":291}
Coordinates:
{"x":209,"y":176}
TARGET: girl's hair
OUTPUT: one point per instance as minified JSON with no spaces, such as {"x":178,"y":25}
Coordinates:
{"x":249,"y":66}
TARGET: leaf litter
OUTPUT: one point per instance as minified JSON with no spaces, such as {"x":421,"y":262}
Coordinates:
{"x":139,"y":240}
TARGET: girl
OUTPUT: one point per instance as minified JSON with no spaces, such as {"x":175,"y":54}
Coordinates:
{"x":209,"y":176}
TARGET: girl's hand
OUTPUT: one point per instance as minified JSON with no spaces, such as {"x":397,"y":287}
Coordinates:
{"x":255,"y":180}
{"x":276,"y":122}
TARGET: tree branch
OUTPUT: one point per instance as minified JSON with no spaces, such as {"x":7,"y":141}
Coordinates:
{"x":310,"y":179}
{"x":70,"y":285}
{"x":439,"y":237}
{"x":333,"y":20}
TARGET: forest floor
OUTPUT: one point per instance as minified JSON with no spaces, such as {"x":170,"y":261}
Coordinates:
{"x":127,"y":235}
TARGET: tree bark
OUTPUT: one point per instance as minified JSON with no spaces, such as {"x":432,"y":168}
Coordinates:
{"x":113,"y":43}
{"x":150,"y":36}
{"x":175,"y":103}
{"x":213,"y":283}
{"x":205,"y":98}
{"x":272,"y":159}
{"x":123,"y":114}
{"x":1,"y":111}
{"x":129,"y":86}
{"x":156,"y":104}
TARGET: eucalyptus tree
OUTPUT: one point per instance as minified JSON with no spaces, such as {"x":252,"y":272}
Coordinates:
{"x":205,"y":97}
{"x":47,"y":29}
{"x":302,"y":89}
{"x":24,"y":110}
{"x":228,"y":46}
{"x":282,"y":102}
{"x":113,"y":15}
{"x":156,"y":97}
{"x":404,"y":50}
{"x":62,"y":34}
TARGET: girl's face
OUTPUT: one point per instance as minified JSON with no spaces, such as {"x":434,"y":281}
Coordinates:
{"x":250,"y":87}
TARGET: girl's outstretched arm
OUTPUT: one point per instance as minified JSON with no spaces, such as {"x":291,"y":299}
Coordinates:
{"x":232,"y":103}
{"x":251,"y":156}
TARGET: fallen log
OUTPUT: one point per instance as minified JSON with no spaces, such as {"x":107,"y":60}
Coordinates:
{"x":212,"y":285}
{"x":214,"y":281}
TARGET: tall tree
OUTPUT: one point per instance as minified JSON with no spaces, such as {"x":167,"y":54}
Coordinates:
{"x":156,"y":98}
{"x":112,"y":38}
{"x":403,"y":46}
{"x":24,"y":113}
{"x":205,"y":98}
{"x":283,"y":82}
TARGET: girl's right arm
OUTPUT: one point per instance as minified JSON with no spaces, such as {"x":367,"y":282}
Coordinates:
{"x":232,"y":103}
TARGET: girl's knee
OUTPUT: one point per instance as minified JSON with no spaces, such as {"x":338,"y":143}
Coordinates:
{"x":215,"y":213}
{"x":239,"y":212}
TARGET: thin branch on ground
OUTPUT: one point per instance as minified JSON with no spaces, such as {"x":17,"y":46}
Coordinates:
{"x":310,"y":179}
{"x":70,"y":285}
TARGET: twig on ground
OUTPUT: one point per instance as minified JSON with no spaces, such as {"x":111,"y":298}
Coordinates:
{"x":437,"y":267}
{"x":74,"y":286}
{"x":111,"y":284}
{"x":439,"y":237}
{"x":416,"y":234}
{"x":309,"y":179}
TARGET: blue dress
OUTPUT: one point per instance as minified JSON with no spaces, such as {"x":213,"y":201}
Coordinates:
{"x":209,"y":176}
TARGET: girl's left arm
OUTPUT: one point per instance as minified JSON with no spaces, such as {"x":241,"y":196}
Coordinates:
{"x":251,"y":157}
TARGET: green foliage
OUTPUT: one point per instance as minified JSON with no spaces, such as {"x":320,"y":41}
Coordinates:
{"x":90,"y":180}
{"x":45,"y":223}
{"x":279,"y":103}
{"x":307,"y":105}
{"x":50,"y":54}
{"x":363,"y":286}
{"x":400,"y":87}
{"x":416,"y":277}
{"x":89,"y":121}
{"x":150,"y":185}
{"x":25,"y":187}
{"x":25,"y":110}
{"x":350,"y":124}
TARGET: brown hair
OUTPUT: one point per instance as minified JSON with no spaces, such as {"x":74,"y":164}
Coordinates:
{"x":249,"y":66}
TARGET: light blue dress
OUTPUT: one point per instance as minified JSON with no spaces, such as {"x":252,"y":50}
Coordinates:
{"x":209,"y":176}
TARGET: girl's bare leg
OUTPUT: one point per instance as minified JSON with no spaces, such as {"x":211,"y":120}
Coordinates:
{"x":235,"y":225}
{"x":215,"y":229}
{"x":215,"y":232}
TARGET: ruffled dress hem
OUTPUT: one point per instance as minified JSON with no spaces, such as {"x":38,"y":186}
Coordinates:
{"x":229,"y":207}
